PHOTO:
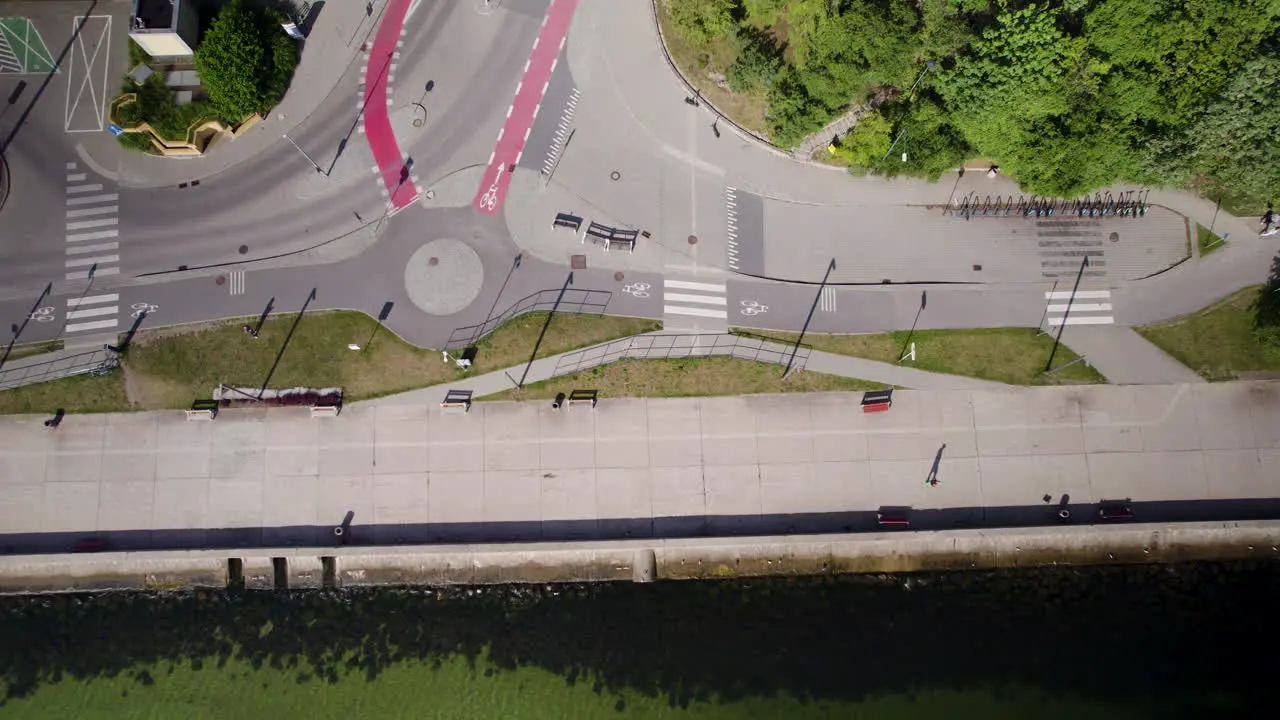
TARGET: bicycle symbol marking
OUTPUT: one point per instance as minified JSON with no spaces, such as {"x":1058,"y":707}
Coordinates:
{"x":751,"y":307}
{"x":44,"y":314}
{"x":140,"y":309}
{"x":639,"y":289}
{"x":490,"y":198}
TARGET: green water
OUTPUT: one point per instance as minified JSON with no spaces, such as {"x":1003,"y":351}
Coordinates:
{"x":1188,"y":641}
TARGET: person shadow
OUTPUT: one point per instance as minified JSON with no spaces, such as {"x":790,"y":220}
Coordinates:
{"x":932,"y":479}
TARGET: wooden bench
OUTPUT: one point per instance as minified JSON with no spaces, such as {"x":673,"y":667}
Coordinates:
{"x":877,"y":400}
{"x":455,"y":400}
{"x":203,"y":410}
{"x":577,"y":397}
{"x":565,"y":220}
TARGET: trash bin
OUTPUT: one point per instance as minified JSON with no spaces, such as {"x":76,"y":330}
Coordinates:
{"x":1064,"y":515}
{"x":555,"y":404}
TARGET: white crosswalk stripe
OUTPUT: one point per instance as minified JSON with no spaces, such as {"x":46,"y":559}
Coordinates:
{"x":235,"y":282}
{"x":563,"y":130}
{"x":92,"y":214}
{"x":1085,"y":307}
{"x":93,"y":306}
{"x":704,"y":301}
{"x":731,"y":229}
{"x":828,"y":300}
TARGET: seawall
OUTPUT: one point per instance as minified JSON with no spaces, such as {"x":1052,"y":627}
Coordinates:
{"x":638,"y":560}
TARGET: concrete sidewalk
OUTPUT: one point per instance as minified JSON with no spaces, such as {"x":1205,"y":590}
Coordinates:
{"x":770,"y":464}
{"x":1125,"y":357}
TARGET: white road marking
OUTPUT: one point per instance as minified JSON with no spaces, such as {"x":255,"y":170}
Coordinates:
{"x":84,"y":274}
{"x":84,"y":249}
{"x":109,"y":197}
{"x":86,"y":224}
{"x":100,"y":260}
{"x":93,"y":300}
{"x":95,"y":325}
{"x":699,"y":312}
{"x":828,"y":299}
{"x":1083,"y":320}
{"x":77,"y":189}
{"x":1079,"y":295}
{"x":100,"y":210}
{"x":77,"y":177}
{"x":91,"y":312}
{"x":99,"y":235}
{"x":702,"y":299}
{"x":685,"y":285}
{"x":1080,"y":307}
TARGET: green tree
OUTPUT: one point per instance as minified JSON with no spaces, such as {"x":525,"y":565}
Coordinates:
{"x":793,"y":114}
{"x":245,"y":60}
{"x":933,"y":145}
{"x":699,"y":21}
{"x":867,"y":142}
{"x":758,"y":62}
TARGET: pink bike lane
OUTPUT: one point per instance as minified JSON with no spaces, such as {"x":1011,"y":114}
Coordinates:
{"x":524,"y":108}
{"x":377,"y":99}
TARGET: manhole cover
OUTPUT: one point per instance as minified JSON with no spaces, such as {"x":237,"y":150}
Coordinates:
{"x":244,"y":249}
{"x":693,"y":239}
{"x":433,"y":261}
{"x":1114,"y":237}
{"x":615,"y":175}
{"x":578,"y":262}
{"x":222,"y":280}
{"x":618,"y":276}
{"x":431,"y":194}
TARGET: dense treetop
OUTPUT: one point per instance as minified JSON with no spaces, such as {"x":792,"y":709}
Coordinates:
{"x":1066,"y":95}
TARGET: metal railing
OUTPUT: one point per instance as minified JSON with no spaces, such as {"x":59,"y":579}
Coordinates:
{"x":668,"y":347}
{"x":94,"y":362}
{"x":578,"y":302}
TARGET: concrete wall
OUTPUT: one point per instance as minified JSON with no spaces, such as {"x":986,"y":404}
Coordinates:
{"x":640,"y":560}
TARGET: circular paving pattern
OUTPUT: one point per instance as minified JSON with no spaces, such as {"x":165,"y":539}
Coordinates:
{"x":443,"y":277}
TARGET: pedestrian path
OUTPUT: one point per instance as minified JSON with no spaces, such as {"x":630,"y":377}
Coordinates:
{"x":93,"y":234}
{"x":699,"y":306}
{"x":1126,"y":358}
{"x":1084,"y":307}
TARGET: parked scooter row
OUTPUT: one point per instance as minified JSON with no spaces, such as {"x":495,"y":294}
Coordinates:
{"x":1128,"y":204}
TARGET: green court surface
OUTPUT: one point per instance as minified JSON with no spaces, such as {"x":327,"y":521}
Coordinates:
{"x":22,"y":50}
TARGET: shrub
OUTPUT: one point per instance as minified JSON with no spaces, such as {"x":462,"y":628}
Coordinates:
{"x":758,"y":63}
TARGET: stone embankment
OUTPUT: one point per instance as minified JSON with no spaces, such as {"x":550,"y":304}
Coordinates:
{"x":638,"y":560}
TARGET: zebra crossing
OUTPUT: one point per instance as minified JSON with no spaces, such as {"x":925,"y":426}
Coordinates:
{"x":685,"y":299}
{"x":563,"y":131}
{"x":92,"y":228}
{"x":827,"y":300}
{"x":81,"y":312}
{"x":731,"y":229}
{"x":235,"y":282}
{"x":1087,"y":307}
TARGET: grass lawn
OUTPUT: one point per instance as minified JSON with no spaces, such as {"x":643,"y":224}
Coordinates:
{"x":746,"y":109}
{"x":83,"y":393}
{"x":1216,"y":342}
{"x":170,"y":367}
{"x":1009,"y":355}
{"x":686,"y":377}
{"x":1208,"y":241}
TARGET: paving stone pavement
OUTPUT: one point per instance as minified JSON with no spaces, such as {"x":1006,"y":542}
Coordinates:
{"x":413,"y":473}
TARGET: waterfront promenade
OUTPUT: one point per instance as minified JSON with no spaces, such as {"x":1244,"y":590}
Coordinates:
{"x":404,"y":473}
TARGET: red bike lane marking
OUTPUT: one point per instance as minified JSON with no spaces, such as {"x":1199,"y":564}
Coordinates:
{"x":377,"y":120}
{"x":523,"y":110}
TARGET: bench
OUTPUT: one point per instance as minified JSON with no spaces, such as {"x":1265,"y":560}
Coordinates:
{"x":599,"y":234}
{"x":625,"y":238}
{"x":455,"y":400}
{"x":581,"y":397}
{"x":203,"y":410}
{"x":877,"y":400}
{"x":565,"y":220}
{"x":325,"y":410}
{"x":95,"y":544}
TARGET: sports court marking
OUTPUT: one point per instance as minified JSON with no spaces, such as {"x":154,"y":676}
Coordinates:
{"x":87,"y":74}
{"x":22,"y":50}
